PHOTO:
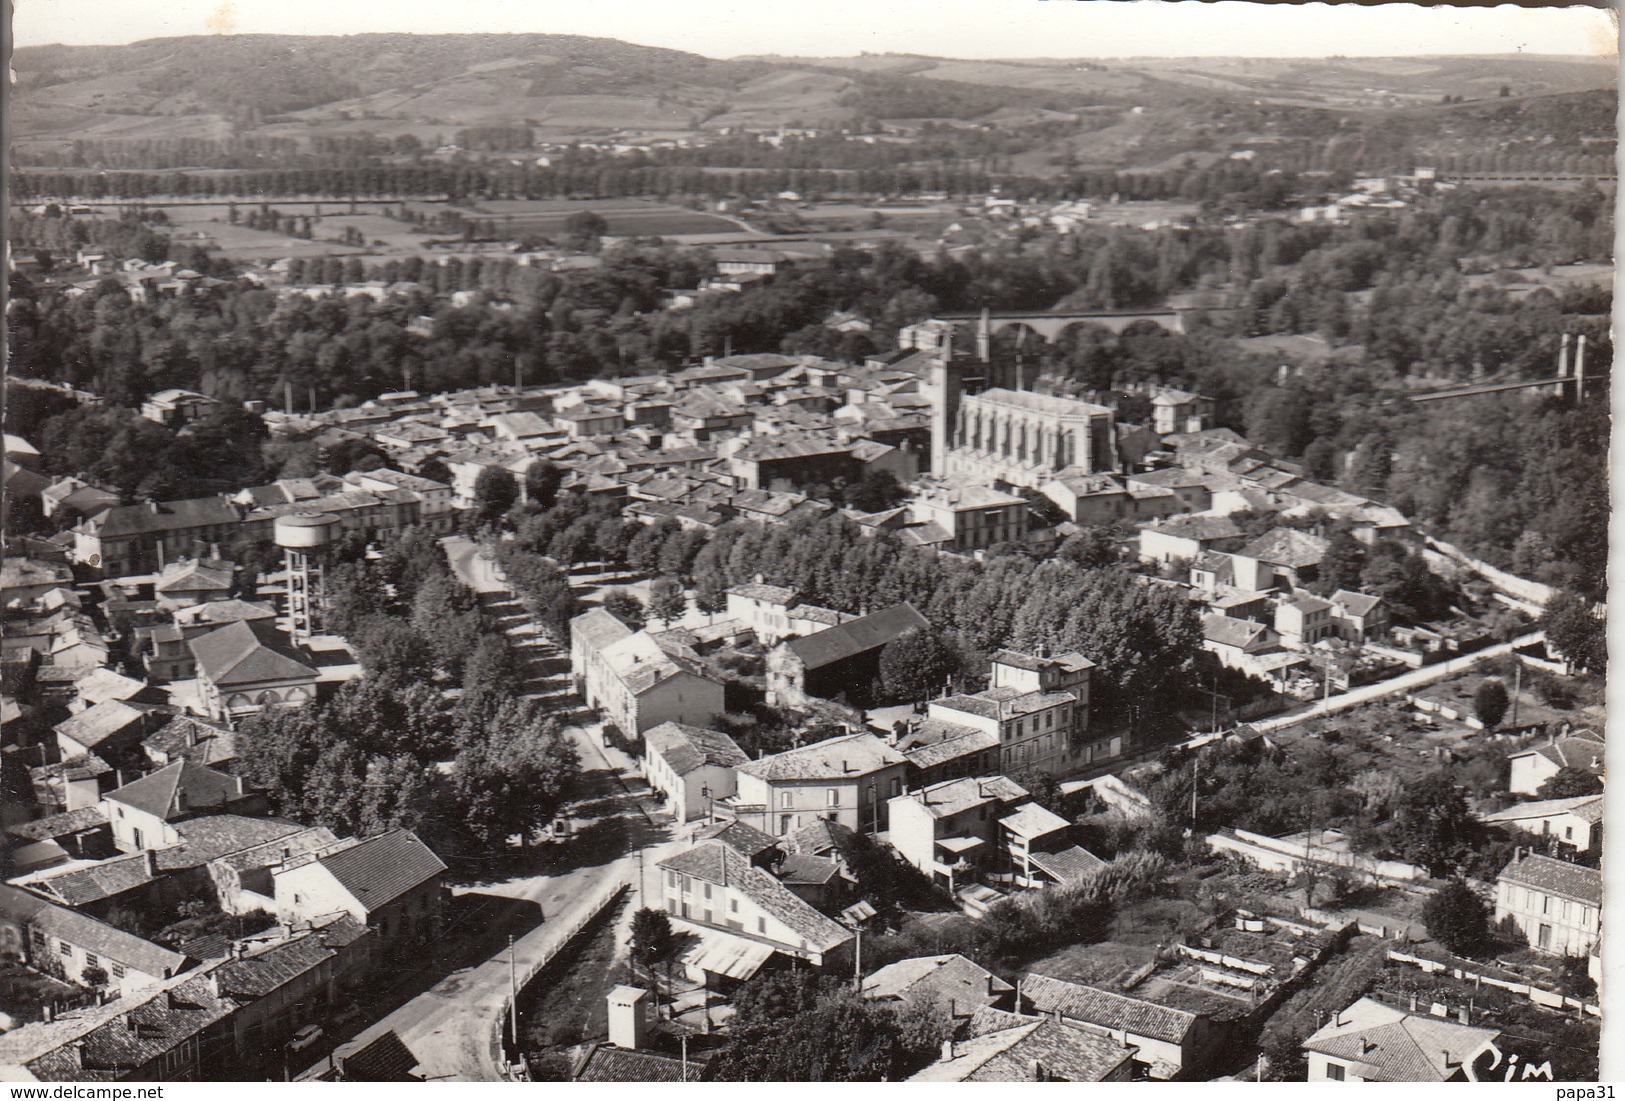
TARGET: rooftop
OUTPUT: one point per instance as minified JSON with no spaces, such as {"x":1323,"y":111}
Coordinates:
{"x":1092,"y":1005}
{"x":1390,"y":1045}
{"x":247,"y":652}
{"x":956,"y":983}
{"x":177,"y":789}
{"x":381,"y":869}
{"x":952,"y":796}
{"x":838,"y":758}
{"x":687,"y":748}
{"x":1555,"y":877}
{"x":857,"y":636}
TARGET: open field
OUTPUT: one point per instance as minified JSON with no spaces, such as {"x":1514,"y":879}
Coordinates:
{"x":626,"y":217}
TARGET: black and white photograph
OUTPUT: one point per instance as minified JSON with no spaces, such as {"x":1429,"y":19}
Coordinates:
{"x":941,"y":541}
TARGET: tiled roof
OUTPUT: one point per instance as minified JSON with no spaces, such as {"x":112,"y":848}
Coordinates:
{"x":90,"y":934}
{"x":215,"y":835}
{"x":103,"y":684}
{"x":857,"y":636}
{"x":187,"y":737}
{"x":1226,"y":630}
{"x":742,"y":837}
{"x":386,"y":1059}
{"x":1032,"y":820}
{"x":135,"y":1035}
{"x":1356,"y":603}
{"x":597,"y":628}
{"x":1004,"y":703}
{"x":92,"y":727}
{"x":806,"y":869}
{"x":142,"y":519}
{"x":954,"y":981}
{"x":275,"y":851}
{"x":225,"y":611}
{"x":952,"y":796}
{"x":1287,"y":547}
{"x":1390,"y":1045}
{"x":607,"y":1063}
{"x":819,"y":836}
{"x":87,"y":883}
{"x":1588,"y":807}
{"x":1047,"y":1049}
{"x":243,"y":653}
{"x":1556,"y":877}
{"x":1068,"y":865}
{"x":1571,"y":752}
{"x":772,"y":594}
{"x":1094,"y":1006}
{"x":1071,"y":661}
{"x":935,"y":741}
{"x":180,"y":788}
{"x":59,"y":825}
{"x":686,"y":748}
{"x":716,"y":863}
{"x":833,"y":758}
{"x":1197,"y":527}
{"x":190,"y":576}
{"x":381,"y":869}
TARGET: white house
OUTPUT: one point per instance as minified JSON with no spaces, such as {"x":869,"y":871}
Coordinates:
{"x":692,"y":767}
{"x":1373,"y":1042}
{"x":1576,"y":821}
{"x":846,"y":780}
{"x":1558,"y":905}
{"x":1532,"y":767}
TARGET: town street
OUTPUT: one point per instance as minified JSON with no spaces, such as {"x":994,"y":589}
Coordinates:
{"x":450,"y":1027}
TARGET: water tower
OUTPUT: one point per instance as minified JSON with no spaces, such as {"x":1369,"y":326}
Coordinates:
{"x":299,"y":536}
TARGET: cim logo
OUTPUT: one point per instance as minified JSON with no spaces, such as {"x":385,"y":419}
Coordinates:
{"x":1489,"y":1059}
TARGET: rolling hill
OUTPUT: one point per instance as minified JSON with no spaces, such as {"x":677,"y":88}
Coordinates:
{"x":1126,"y":112}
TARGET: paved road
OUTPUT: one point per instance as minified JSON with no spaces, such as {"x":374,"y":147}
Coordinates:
{"x":1416,"y":678}
{"x":450,"y":1026}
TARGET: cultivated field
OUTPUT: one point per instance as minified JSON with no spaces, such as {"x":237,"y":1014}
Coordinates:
{"x":626,"y":217}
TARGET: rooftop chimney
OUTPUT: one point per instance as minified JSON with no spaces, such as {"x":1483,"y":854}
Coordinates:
{"x":149,"y":858}
{"x":949,"y":1050}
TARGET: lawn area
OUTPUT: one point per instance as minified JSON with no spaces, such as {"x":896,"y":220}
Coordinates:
{"x":241,"y":243}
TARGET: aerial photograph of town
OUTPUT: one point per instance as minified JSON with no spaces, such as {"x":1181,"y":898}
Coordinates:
{"x":935,"y":542}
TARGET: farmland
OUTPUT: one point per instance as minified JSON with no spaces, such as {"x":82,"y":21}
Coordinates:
{"x":626,"y":217}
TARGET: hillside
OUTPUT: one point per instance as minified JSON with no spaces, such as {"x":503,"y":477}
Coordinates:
{"x":287,"y":94}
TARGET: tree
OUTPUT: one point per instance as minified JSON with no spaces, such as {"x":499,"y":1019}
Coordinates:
{"x":666,"y":600}
{"x":625,"y":606}
{"x":1090,"y":548}
{"x":542,"y":481}
{"x":515,"y":779}
{"x":652,"y":941}
{"x":495,"y":491}
{"x":915,"y":665}
{"x":1432,"y":825}
{"x":1457,"y":918}
{"x":1490,"y":702}
{"x":1576,"y":633}
{"x":877,"y":491}
{"x":1569,"y":782}
{"x":1341,"y":565}
{"x":584,"y":227}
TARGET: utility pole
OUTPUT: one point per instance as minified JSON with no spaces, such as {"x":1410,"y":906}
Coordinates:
{"x":1517,"y":686}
